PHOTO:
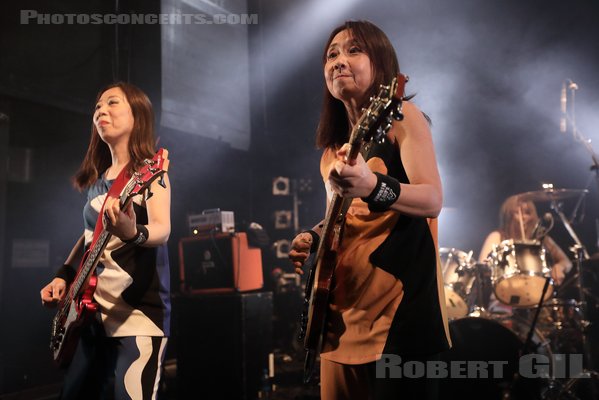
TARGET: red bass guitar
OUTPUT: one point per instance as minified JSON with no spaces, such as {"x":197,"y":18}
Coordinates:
{"x":78,"y":306}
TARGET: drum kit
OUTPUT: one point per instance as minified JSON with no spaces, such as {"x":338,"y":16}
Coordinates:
{"x":505,"y":308}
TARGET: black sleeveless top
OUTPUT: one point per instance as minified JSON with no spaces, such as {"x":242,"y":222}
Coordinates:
{"x":409,"y":253}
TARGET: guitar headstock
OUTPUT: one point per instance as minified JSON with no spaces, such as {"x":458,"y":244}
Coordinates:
{"x":377,"y":119}
{"x":140,"y":182}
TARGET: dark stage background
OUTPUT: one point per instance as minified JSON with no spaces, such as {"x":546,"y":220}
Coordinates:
{"x":489,"y":74}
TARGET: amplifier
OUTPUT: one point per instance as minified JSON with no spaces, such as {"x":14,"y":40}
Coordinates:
{"x":223,"y":342}
{"x":222,"y":262}
{"x":211,"y":220}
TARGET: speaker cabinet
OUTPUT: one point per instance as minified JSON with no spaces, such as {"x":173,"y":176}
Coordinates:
{"x":222,"y":344}
{"x":219,"y":263}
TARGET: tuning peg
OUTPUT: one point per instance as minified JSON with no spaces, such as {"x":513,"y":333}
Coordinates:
{"x":379,"y":136}
{"x":397,"y":113}
{"x":161,"y":181}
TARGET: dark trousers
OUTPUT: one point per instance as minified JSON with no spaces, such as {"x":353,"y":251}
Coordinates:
{"x":102,"y":367}
{"x":360,"y":382}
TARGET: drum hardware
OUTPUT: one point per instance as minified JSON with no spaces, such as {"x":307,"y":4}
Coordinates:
{"x":557,"y":390}
{"x":580,"y":254}
{"x":527,"y":343}
{"x":579,"y":251}
{"x":560,"y":314}
{"x":541,"y":231}
{"x":557,"y":209}
{"x":478,"y":308}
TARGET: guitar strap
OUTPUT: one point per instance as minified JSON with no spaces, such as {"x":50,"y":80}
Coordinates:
{"x":114,"y":191}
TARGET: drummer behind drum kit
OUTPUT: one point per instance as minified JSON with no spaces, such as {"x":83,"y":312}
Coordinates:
{"x":518,"y":275}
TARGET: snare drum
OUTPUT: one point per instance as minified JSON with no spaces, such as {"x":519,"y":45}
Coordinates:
{"x":458,"y":276}
{"x":519,"y":273}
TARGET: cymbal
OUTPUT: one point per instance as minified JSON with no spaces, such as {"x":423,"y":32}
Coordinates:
{"x":550,"y":194}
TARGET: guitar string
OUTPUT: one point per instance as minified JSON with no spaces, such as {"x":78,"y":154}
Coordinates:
{"x":82,"y":275}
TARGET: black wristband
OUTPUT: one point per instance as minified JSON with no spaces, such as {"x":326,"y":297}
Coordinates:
{"x":315,"y":240}
{"x":66,"y":272}
{"x":385,"y":193}
{"x":140,"y":237}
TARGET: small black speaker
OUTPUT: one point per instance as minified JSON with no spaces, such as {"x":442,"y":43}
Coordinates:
{"x":222,"y":344}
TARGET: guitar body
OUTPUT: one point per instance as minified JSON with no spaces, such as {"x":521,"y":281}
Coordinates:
{"x":318,"y":304}
{"x":78,"y":306}
{"x":385,"y":107}
{"x":66,"y":329}
{"x":320,"y":300}
{"x":66,"y":333}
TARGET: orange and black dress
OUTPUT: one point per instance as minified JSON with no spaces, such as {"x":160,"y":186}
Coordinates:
{"x":387,"y":292}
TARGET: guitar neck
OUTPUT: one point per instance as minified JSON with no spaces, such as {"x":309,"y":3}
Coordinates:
{"x":334,"y":212}
{"x":96,"y":250}
{"x":89,"y":265}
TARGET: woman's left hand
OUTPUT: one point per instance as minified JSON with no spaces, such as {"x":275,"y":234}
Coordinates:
{"x":351,"y":179}
{"x":121,"y":223}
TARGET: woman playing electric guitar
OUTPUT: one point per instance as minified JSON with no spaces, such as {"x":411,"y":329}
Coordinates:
{"x":126,"y":338}
{"x":386,"y":296}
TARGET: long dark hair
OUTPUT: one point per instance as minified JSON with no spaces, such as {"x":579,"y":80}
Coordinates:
{"x":333,"y":127}
{"x":509,"y":223}
{"x":141,"y":143}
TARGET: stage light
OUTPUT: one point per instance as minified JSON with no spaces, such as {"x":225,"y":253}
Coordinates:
{"x":320,"y":16}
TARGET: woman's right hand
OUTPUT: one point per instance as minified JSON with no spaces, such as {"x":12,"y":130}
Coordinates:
{"x":53,"y":292}
{"x":300,"y":250}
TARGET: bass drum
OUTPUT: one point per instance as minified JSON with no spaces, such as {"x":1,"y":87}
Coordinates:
{"x":485,"y":354}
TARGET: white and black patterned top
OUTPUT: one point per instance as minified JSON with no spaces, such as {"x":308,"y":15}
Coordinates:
{"x":133,"y":288}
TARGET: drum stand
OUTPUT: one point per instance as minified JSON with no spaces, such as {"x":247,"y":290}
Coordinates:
{"x":478,"y":308}
{"x":580,"y":254}
{"x":558,"y":390}
{"x":528,"y":343}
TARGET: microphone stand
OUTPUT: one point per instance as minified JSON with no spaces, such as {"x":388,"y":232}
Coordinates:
{"x":527,"y":348}
{"x":577,"y":134}
{"x":556,"y":208}
{"x":579,"y":253}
